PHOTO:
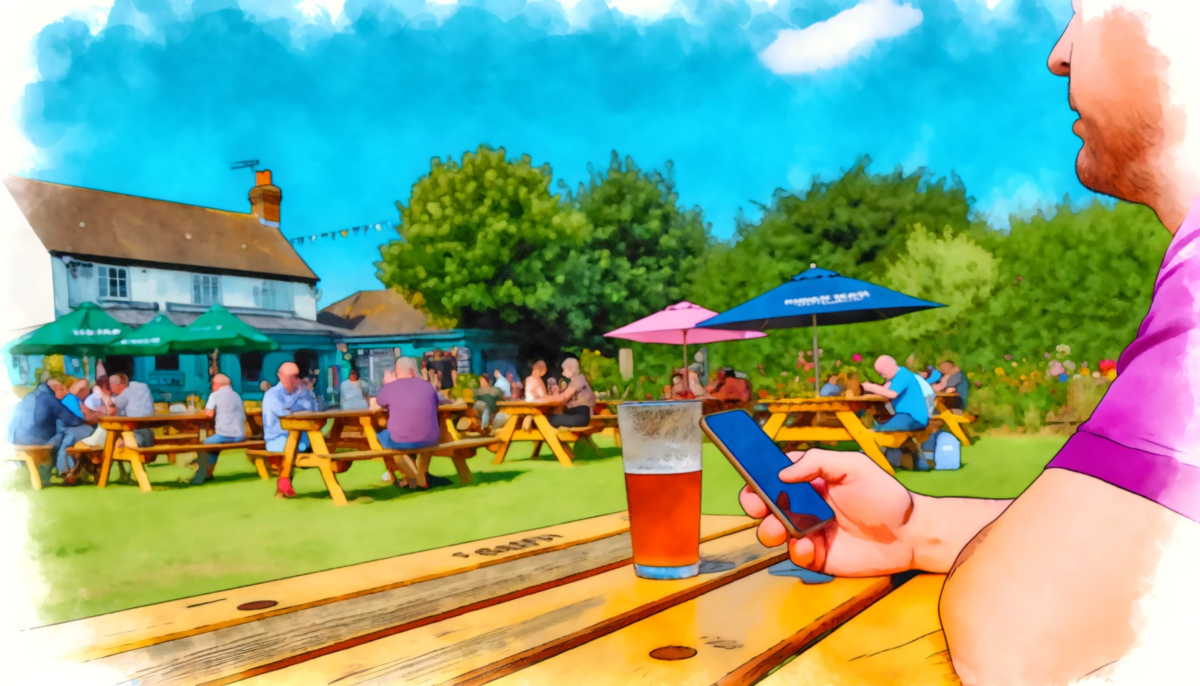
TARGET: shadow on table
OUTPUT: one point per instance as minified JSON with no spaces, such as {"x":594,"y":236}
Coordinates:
{"x":386,"y":491}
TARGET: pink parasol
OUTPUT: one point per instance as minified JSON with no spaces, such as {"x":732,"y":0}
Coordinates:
{"x":676,"y":325}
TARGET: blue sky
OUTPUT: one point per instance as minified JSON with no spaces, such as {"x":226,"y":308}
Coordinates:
{"x":347,"y":102}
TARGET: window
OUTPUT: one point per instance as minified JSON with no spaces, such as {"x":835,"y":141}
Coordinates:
{"x":114,"y":283}
{"x":206,"y":290}
{"x":252,"y":364}
{"x":166,"y":363}
{"x":273,"y":296}
{"x":118,"y":364}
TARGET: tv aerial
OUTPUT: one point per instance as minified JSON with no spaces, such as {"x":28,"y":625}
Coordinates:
{"x":245,"y":164}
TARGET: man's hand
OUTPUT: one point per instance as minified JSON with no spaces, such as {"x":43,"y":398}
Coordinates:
{"x":867,"y":537}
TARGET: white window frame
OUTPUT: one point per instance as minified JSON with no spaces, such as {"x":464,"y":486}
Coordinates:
{"x":273,"y":295}
{"x":108,"y":277}
{"x":206,"y":289}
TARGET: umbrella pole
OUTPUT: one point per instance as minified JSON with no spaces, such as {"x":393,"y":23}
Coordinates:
{"x":816,"y":361}
{"x":687,"y":381}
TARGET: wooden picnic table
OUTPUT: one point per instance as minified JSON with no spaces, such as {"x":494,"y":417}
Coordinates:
{"x":556,"y":605}
{"x":365,"y":439}
{"x":123,"y":427}
{"x":805,"y":410}
{"x":540,"y":432}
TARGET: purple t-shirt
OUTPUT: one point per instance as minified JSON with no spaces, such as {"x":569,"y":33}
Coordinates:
{"x":412,"y":410}
{"x":1144,"y":436}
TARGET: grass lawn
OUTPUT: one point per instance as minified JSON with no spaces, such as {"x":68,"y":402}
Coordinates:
{"x":102,"y":551}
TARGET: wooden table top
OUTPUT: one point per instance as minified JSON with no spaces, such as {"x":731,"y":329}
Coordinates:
{"x":123,"y":423}
{"x":557,"y":605}
{"x":543,"y":404}
{"x":336,"y":414}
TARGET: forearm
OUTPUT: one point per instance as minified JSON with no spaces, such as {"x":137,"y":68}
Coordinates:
{"x":940,"y":528}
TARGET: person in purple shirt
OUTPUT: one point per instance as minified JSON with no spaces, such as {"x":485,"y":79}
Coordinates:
{"x":1070,"y":579}
{"x":411,"y":404}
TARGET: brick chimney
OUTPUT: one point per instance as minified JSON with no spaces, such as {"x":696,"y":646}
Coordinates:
{"x":265,"y":199}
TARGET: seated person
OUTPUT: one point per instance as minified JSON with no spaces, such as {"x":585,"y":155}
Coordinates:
{"x":42,"y":419}
{"x":518,"y":388}
{"x":679,"y":390}
{"x":503,"y":384}
{"x":734,"y":389}
{"x":351,"y":392}
{"x":953,"y":380}
{"x":74,"y":401}
{"x":486,"y":397}
{"x":535,"y":387}
{"x":717,"y":381}
{"x":832,"y":389}
{"x":290,"y":395}
{"x":228,"y":412}
{"x":551,"y":387}
{"x":694,"y":386}
{"x":903,"y":389}
{"x":411,"y":405}
{"x":581,"y":401}
{"x":133,"y":399}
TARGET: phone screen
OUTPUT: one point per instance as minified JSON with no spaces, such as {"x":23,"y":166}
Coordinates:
{"x":762,"y":461}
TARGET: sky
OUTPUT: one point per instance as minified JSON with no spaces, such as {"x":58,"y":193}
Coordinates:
{"x":347,"y":101}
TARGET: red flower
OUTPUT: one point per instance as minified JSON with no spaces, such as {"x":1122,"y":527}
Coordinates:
{"x":856,"y":357}
{"x":811,"y":380}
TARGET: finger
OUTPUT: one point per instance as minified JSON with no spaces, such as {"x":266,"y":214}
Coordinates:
{"x":771,"y":533}
{"x":802,"y":552}
{"x":751,"y":504}
{"x":810,"y":552}
{"x":795,"y":455}
{"x":832,"y":466}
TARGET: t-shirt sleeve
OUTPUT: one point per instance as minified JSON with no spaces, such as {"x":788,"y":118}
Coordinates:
{"x":1144,"y":436}
{"x":212,"y":402}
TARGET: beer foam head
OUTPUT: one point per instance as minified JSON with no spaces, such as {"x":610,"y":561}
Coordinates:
{"x":662,"y":437}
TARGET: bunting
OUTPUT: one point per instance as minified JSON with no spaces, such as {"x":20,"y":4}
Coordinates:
{"x":363,"y":231}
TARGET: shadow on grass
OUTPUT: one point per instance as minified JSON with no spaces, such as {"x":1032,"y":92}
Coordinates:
{"x":215,"y":481}
{"x":583,"y":453}
{"x":384,"y":492}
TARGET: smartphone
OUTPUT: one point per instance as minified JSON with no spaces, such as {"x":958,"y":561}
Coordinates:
{"x":751,"y":451}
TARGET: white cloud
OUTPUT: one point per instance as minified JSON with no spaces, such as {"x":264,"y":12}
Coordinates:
{"x":836,"y":41}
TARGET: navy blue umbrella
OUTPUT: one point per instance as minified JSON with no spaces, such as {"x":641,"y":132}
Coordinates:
{"x":817,"y":297}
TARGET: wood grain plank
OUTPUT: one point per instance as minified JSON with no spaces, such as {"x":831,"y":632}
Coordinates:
{"x":271,"y":642}
{"x":898,"y":640}
{"x":109,"y":634}
{"x":487,"y":644}
{"x":739,"y":632}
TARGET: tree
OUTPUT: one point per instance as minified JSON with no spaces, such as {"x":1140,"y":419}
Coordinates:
{"x":486,"y":243}
{"x":950,"y":269}
{"x":853,"y":225}
{"x":1084,"y":278}
{"x":642,"y":244}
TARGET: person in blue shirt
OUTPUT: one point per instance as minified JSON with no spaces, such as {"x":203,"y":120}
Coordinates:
{"x":73,"y":401}
{"x":40,"y":419}
{"x":831,"y":389}
{"x":903,"y":389}
{"x":290,"y":395}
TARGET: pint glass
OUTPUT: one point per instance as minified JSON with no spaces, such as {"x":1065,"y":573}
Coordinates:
{"x":662,"y":455}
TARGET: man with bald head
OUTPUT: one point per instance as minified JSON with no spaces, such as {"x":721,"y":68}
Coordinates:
{"x":290,"y":395}
{"x":1091,"y":571}
{"x":229,"y":424}
{"x":902,"y":387}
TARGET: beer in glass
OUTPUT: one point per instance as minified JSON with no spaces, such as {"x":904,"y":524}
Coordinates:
{"x":662,"y":446}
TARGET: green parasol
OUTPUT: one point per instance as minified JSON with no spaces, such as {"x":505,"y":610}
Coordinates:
{"x":87,"y":330}
{"x":218,"y":329}
{"x":152,"y":338}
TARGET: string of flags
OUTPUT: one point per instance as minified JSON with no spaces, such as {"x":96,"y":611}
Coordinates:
{"x":376,"y":229}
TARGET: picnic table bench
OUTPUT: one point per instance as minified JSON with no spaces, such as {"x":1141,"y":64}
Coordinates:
{"x":556,"y":605}
{"x":559,"y":440}
{"x":364,"y":442}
